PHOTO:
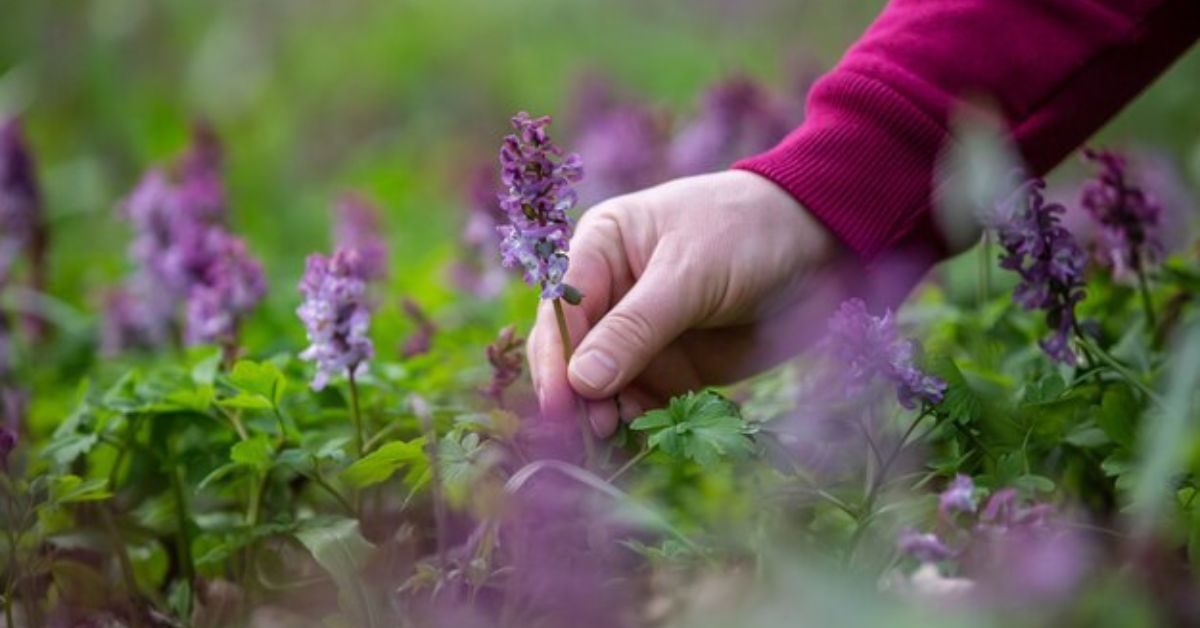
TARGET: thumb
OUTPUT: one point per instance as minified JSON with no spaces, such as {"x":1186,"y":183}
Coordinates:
{"x":655,"y":311}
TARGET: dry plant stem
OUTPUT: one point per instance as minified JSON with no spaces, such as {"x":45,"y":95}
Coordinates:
{"x":439,"y":500}
{"x":589,"y":446}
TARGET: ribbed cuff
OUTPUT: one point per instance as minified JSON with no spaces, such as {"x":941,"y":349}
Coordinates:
{"x":862,"y":163}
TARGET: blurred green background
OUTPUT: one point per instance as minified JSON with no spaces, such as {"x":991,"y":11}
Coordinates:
{"x":397,"y":98}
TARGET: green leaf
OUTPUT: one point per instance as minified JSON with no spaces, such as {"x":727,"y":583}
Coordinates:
{"x":462,"y":460}
{"x":383,"y":463}
{"x":255,"y":452}
{"x":259,"y":378}
{"x":64,"y":450}
{"x":71,"y":489}
{"x":340,"y":549}
{"x":961,"y":402}
{"x":703,"y":427}
{"x":1118,"y":415}
{"x":246,"y":401}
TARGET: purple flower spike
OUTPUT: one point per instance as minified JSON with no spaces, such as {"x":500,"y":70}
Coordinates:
{"x":505,"y":357}
{"x":1129,"y":217}
{"x":868,"y":348}
{"x":958,"y":497}
{"x":1049,"y":261}
{"x":22,"y":228}
{"x":358,"y":228}
{"x":336,"y":315}
{"x":538,"y":178}
{"x":474,"y":272}
{"x":8,"y":442}
{"x":925,"y":547}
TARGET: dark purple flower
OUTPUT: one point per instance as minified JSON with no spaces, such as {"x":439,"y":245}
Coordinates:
{"x":1049,"y":261}
{"x":865,"y":347}
{"x":336,"y":315}
{"x":8,"y":442}
{"x":925,"y":547}
{"x":737,"y":119}
{"x":538,"y":178}
{"x":958,"y":497}
{"x":1129,"y":216}
{"x":358,"y":228}
{"x":421,"y":340}
{"x":22,"y":227}
{"x":505,"y":357}
{"x":624,"y":148}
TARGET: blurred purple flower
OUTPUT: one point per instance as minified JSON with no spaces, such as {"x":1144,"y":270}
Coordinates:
{"x":130,"y":321}
{"x":624,"y":148}
{"x":865,"y":347}
{"x":232,"y":283}
{"x":505,"y":357}
{"x":336,"y":315}
{"x":958,"y":497}
{"x":184,"y":253}
{"x":1048,"y":260}
{"x":538,"y":178}
{"x":474,"y":272}
{"x":8,"y":442}
{"x":421,"y":340}
{"x":358,"y":228}
{"x":925,"y":547}
{"x":1129,"y":216}
{"x":21,"y":224}
{"x":737,"y":119}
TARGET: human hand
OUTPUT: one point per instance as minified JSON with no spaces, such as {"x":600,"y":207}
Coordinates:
{"x":699,"y":281}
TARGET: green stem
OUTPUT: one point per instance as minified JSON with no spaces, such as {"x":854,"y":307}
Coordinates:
{"x":356,"y":413}
{"x":1144,"y":290}
{"x":564,"y":334}
{"x":985,"y":268}
{"x":1117,"y":367}
{"x":319,"y":479}
{"x":182,"y":521}
{"x":629,"y":465}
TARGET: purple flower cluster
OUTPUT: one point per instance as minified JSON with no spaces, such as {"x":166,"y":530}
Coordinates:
{"x":185,"y":254}
{"x":1129,"y":217}
{"x":737,"y":119}
{"x":866,"y":347}
{"x":8,"y":442}
{"x":505,"y":357}
{"x":1016,"y":548}
{"x":336,"y":315}
{"x":1049,"y":261}
{"x":357,"y":227}
{"x":539,"y":179}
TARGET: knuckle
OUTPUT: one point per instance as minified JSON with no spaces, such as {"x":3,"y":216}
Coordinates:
{"x":631,"y":328}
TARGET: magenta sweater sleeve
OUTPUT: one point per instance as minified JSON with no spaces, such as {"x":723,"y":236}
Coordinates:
{"x":863,"y":161}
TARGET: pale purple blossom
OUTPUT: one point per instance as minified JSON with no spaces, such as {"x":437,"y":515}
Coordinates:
{"x":474,"y":271}
{"x":737,"y":119}
{"x":336,"y":315}
{"x":358,"y":227}
{"x":1049,"y":261}
{"x":866,"y":348}
{"x":958,"y":497}
{"x":130,"y":321}
{"x":231,"y":285}
{"x":926,"y":547}
{"x":1128,"y":215}
{"x":538,"y":179}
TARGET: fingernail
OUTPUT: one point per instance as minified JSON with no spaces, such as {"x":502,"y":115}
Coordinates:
{"x":595,"y":368}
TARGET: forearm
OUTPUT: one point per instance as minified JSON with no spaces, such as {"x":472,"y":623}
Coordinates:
{"x":864,"y":160}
